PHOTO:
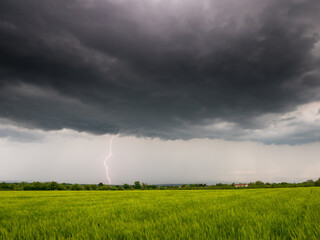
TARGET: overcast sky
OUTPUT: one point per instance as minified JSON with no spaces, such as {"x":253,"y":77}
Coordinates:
{"x":203,"y":90}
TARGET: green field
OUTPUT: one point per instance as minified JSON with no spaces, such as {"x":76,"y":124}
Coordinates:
{"x":291,"y":213}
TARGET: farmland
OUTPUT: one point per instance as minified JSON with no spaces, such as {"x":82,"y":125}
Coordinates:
{"x":289,"y":213}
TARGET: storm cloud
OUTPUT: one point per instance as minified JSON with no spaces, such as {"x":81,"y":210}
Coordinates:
{"x":235,"y":70}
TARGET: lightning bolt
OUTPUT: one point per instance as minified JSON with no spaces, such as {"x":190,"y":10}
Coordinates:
{"x":107,"y":158}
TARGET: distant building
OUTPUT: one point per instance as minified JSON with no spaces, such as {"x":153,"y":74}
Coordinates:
{"x":241,"y":185}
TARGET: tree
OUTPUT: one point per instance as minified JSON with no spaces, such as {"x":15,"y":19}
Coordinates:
{"x":317,"y":183}
{"x":62,"y":186}
{"x":76,"y":187}
{"x":137,"y":185}
{"x":20,"y":186}
{"x":53,"y":186}
{"x":38,"y":186}
{"x":152,"y":186}
{"x":259,"y":183}
{"x":87,"y":187}
{"x":119,"y":187}
{"x":144,"y":186}
{"x":4,"y":186}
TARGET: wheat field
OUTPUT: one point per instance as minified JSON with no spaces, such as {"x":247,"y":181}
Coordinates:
{"x":290,"y":213}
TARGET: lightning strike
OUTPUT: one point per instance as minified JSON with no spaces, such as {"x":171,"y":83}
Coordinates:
{"x":107,"y":158}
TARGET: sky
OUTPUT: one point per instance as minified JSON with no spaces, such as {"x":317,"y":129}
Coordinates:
{"x":193,"y":91}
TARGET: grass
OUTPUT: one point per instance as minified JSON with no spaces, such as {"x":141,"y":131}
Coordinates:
{"x":292,"y":213}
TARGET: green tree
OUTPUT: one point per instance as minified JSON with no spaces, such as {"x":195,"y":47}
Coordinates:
{"x":118,"y":187}
{"x":87,"y":187}
{"x":4,"y":186}
{"x":20,"y":186}
{"x":259,"y":183}
{"x":76,"y":187}
{"x":38,"y":186}
{"x":137,"y":185}
{"x":144,"y":186}
{"x":152,"y":187}
{"x":53,"y":186}
{"x":317,"y":183}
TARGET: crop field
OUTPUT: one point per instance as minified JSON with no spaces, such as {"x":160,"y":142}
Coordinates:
{"x":291,"y":213}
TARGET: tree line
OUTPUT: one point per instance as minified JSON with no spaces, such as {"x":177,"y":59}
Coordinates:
{"x":144,"y":186}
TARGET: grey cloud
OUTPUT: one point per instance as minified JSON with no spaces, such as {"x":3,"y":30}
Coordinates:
{"x":19,"y":135}
{"x":155,"y":68}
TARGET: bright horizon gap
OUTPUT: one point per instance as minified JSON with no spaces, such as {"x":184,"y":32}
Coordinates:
{"x":75,"y":157}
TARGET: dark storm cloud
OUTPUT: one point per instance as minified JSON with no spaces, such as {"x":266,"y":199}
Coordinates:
{"x":156,"y":68}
